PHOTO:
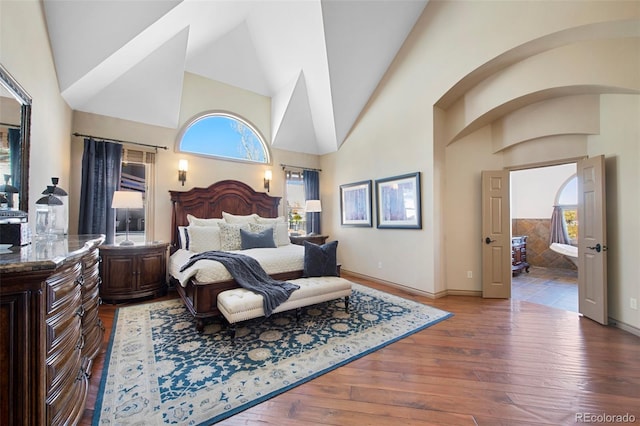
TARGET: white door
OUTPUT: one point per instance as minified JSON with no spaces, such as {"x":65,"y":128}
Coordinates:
{"x":592,"y":240}
{"x":496,"y":234}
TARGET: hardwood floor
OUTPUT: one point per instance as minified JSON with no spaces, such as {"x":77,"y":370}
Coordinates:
{"x":495,"y":362}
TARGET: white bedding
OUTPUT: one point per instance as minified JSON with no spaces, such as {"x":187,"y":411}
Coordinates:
{"x":274,"y":260}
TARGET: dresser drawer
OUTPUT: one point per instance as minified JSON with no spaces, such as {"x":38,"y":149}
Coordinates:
{"x":66,"y":407}
{"x":67,"y":319}
{"x":64,"y":359}
{"x":91,"y":281}
{"x":91,"y":260}
{"x":63,"y":286}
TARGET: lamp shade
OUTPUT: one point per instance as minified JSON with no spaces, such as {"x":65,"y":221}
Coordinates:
{"x":127,"y":200}
{"x":312,"y":206}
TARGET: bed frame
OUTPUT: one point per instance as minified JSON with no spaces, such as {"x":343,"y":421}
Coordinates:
{"x":230,"y":196}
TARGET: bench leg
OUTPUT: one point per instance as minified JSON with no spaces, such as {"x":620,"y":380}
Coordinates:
{"x":232,"y":333}
{"x":346,"y":303}
{"x":231,"y":329}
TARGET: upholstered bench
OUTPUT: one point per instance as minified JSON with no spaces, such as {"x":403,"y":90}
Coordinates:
{"x":240,"y":304}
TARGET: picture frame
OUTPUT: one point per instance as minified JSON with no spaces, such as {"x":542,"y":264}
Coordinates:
{"x":398,"y":202}
{"x":355,"y":204}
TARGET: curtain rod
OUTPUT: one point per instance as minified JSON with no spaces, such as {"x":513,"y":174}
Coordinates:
{"x":118,"y":140}
{"x":10,"y":125}
{"x":299,"y":167}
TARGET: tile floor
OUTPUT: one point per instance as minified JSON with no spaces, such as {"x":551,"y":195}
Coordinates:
{"x":554,"y":287}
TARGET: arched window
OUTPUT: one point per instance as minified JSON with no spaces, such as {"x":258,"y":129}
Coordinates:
{"x":225,"y":136}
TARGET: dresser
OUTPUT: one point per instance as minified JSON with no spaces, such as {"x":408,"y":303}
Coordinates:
{"x":49,"y":329}
{"x":133,"y":272}
{"x":519,"y":254}
{"x":312,"y":238}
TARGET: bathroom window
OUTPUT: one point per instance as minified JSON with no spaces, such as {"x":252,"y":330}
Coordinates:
{"x":567,"y":199}
{"x":224,"y":136}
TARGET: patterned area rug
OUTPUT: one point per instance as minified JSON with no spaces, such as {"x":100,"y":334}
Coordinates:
{"x":160,"y":370}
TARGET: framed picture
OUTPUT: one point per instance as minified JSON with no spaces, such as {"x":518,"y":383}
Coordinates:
{"x":355,"y":204}
{"x":398,"y":202}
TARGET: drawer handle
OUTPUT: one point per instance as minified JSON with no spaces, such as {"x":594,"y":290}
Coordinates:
{"x":82,"y":375}
{"x":80,"y":280}
{"x":80,"y":344}
{"x":80,"y":312}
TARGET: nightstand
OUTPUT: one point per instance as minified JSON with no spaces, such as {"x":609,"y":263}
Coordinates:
{"x":315,"y":239}
{"x":133,"y":272}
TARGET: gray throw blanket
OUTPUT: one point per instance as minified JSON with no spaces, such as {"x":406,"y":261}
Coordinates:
{"x":249,"y":274}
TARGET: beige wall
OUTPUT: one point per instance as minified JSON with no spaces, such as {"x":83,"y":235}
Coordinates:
{"x":460,"y":99}
{"x":25,"y":53}
{"x":199,"y":95}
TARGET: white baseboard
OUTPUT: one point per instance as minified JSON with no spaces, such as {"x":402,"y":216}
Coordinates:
{"x":412,"y":290}
{"x":623,"y":326}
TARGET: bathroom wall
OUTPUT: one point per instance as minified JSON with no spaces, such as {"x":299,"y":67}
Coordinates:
{"x":533,"y":195}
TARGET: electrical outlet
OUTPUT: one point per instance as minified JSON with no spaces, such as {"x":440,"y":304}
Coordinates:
{"x":469,"y":274}
{"x":379,"y":265}
{"x":633,"y":303}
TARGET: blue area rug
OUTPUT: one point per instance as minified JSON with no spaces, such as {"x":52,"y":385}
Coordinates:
{"x":160,"y":370}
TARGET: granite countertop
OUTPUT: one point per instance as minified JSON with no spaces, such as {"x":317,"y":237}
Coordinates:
{"x":44,"y":254}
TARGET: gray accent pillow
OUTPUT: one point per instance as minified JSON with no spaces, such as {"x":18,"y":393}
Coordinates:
{"x":262,"y":239}
{"x":320,"y":260}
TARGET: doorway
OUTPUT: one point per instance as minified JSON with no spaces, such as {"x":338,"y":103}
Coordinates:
{"x":552,"y":279}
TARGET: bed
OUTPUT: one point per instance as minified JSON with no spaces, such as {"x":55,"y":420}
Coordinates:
{"x":236,"y":198}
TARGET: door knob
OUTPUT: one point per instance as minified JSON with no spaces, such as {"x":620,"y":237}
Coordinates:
{"x":488,"y":240}
{"x":597,"y":247}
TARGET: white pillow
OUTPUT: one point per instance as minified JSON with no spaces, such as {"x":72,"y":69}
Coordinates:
{"x":232,"y":218}
{"x":196,"y":221}
{"x":281,"y":233}
{"x":204,"y":238}
{"x":230,"y":235}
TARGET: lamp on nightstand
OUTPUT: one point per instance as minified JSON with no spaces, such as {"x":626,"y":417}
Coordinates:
{"x":312,"y":206}
{"x":127,"y":200}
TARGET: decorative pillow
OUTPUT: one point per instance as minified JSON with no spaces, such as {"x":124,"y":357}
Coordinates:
{"x":203,"y":238}
{"x":230,"y":235}
{"x":320,"y":260}
{"x":183,"y":237}
{"x":257,"y":227}
{"x":281,"y":234}
{"x":196,"y":221}
{"x":232,"y":218}
{"x":262,"y":239}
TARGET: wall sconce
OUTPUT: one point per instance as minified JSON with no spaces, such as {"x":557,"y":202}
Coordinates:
{"x":183,"y":167}
{"x":267,"y":179}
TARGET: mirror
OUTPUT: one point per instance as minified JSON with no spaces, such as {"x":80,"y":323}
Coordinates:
{"x":15,"y":128}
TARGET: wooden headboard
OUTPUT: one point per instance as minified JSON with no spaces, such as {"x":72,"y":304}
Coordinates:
{"x":230,"y":196}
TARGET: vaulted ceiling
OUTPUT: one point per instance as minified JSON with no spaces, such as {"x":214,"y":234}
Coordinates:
{"x":318,"y":60}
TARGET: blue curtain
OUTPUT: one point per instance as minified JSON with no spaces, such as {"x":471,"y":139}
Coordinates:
{"x":558,"y":232}
{"x":15,"y":160}
{"x":101,"y":164}
{"x":312,"y":192}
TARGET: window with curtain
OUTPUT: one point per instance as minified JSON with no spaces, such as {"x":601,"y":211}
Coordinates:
{"x":138,"y":172}
{"x":294,"y":201}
